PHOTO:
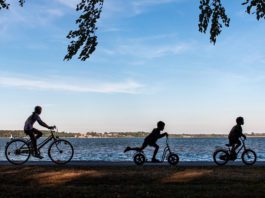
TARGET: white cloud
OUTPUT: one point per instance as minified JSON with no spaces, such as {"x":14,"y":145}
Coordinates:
{"x":69,"y":3}
{"x":112,"y":8}
{"x":127,"y":86}
{"x":55,"y":12}
{"x":140,"y":6}
{"x":122,"y":6}
{"x":151,"y":52}
{"x":17,"y":23}
{"x":147,"y":50}
{"x":112,"y":29}
{"x":36,"y":16}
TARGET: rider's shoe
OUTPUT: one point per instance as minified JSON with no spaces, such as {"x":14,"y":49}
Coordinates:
{"x":223,"y":157}
{"x":126,"y":149}
{"x":155,"y":160}
{"x":233,"y":156}
{"x":38,"y":155}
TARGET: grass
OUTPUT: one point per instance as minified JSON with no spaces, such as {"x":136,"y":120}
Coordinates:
{"x":165,"y":181}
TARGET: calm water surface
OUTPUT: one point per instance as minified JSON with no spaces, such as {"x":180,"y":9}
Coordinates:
{"x":111,"y":149}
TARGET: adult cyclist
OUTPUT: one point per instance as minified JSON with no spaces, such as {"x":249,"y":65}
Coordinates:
{"x":33,"y":133}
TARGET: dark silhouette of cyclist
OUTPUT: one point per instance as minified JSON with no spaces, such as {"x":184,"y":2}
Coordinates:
{"x":33,"y":133}
{"x":151,"y":140}
{"x":235,"y":134}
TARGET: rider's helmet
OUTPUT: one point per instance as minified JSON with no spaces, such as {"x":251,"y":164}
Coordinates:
{"x":240,"y":120}
{"x":37,"y":109}
{"x":161,"y":125}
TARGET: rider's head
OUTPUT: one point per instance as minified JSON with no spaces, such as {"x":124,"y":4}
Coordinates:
{"x":161,"y":125}
{"x":38,"y":110}
{"x":240,"y":120}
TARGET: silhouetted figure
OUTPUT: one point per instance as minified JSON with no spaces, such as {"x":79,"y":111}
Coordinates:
{"x":151,"y":140}
{"x":33,"y":133}
{"x":235,"y":134}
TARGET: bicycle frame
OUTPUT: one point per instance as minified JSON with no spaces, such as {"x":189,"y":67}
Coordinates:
{"x":44,"y":142}
{"x":243,"y":146}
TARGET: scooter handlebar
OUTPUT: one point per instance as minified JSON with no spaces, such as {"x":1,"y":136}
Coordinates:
{"x":166,"y":139}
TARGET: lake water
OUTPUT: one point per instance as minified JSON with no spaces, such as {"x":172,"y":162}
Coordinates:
{"x":111,"y":149}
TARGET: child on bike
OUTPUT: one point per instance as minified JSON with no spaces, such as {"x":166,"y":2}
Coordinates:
{"x":151,"y":140}
{"x":33,"y":133}
{"x":234,"y":136}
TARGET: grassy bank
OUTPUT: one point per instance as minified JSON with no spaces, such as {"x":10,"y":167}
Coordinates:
{"x":45,"y":181}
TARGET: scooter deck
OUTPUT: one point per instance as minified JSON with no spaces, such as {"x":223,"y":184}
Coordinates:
{"x":150,"y":162}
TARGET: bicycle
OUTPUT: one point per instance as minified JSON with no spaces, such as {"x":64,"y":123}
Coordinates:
{"x":18,"y":150}
{"x":222,"y":155}
{"x":139,"y":157}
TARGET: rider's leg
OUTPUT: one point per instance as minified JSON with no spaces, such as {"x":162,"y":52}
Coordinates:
{"x":155,"y":151}
{"x":235,"y":146}
{"x":33,"y":140}
{"x":136,"y":148}
{"x":37,"y":132}
{"x":233,"y":142}
{"x":233,"y":152}
{"x":238,"y":144}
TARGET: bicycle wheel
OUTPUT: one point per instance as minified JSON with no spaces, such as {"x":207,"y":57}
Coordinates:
{"x":17,"y":151}
{"x":249,"y":157}
{"x":173,"y":159}
{"x":139,"y":159}
{"x":61,"y":151}
{"x":220,"y":157}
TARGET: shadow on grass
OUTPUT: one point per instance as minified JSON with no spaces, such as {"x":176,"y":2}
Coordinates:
{"x":44,"y":181}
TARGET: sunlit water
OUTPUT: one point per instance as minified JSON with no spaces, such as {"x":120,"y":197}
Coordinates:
{"x":111,"y":149}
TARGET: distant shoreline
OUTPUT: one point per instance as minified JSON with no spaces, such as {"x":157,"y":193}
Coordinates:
{"x":93,"y":135}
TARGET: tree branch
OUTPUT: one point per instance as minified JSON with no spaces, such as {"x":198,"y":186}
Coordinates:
{"x":84,"y":37}
{"x":258,"y":6}
{"x":3,"y":4}
{"x":214,"y":11}
{"x":21,"y":2}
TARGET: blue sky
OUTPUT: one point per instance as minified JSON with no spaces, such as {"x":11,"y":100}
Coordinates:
{"x":151,"y":64}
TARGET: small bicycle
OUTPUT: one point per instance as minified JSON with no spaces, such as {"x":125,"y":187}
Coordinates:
{"x":139,"y":157}
{"x":222,"y":155}
{"x":18,"y":150}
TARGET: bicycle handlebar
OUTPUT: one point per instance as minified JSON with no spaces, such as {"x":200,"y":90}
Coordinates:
{"x":243,"y":139}
{"x":55,"y":129}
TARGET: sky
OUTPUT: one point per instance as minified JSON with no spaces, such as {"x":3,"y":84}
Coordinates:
{"x":151,"y":64}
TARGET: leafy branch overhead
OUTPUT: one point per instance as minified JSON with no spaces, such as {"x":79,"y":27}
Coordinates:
{"x":84,"y":37}
{"x":83,"y":40}
{"x":214,"y":11}
{"x":256,"y":7}
{"x":213,"y":14}
{"x":5,"y":5}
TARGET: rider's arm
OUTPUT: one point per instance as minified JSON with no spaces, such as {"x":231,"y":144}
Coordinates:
{"x":241,"y":133}
{"x":43,"y":123}
{"x":244,"y":136}
{"x":163,"y":134}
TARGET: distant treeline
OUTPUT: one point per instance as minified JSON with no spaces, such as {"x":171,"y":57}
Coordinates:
{"x":144,"y":134}
{"x":20,"y":133}
{"x":115,"y":134}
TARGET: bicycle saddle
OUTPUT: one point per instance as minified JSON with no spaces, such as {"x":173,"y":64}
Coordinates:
{"x":228,"y":145}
